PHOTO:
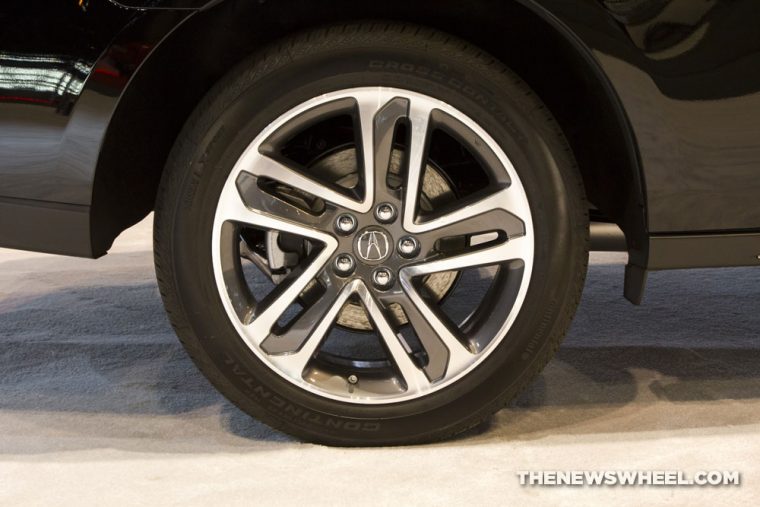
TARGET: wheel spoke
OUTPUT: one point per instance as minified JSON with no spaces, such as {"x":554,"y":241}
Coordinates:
{"x":283,"y":296}
{"x":295,"y":363}
{"x":414,"y":378}
{"x":445,"y":352}
{"x":493,"y":221}
{"x":507,"y":203}
{"x":378,"y":126}
{"x":419,"y":123}
{"x":261,"y":165}
{"x":259,"y":200}
{"x":232,"y":208}
{"x":519,"y":248}
{"x":304,"y":326}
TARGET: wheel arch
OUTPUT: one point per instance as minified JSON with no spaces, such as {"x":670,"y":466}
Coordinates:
{"x":170,"y":83}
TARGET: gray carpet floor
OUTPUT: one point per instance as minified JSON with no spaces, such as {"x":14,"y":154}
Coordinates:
{"x":100,"y":405}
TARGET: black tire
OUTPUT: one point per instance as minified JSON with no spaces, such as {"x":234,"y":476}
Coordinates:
{"x":368,"y":54}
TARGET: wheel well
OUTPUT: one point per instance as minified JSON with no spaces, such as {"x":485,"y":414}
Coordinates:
{"x":183,"y":68}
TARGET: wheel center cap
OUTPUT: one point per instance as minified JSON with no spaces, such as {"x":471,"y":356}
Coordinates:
{"x":373,"y":245}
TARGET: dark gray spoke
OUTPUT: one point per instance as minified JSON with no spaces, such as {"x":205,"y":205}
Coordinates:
{"x":419,"y":123}
{"x":384,"y":127}
{"x":264,"y":166}
{"x":257,"y":199}
{"x":304,"y":326}
{"x":414,"y":378}
{"x":379,"y":112}
{"x":439,"y":341}
{"x":520,"y":248}
{"x":232,"y":208}
{"x":495,"y":220}
{"x":294,"y":364}
{"x":507,"y":199}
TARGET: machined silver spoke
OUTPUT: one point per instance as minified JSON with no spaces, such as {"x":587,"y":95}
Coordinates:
{"x":520,"y":248}
{"x":232,"y":208}
{"x":368,"y":105}
{"x":435,"y":334}
{"x":378,"y":125}
{"x":261,"y":324}
{"x":495,"y":224}
{"x":445,"y":352}
{"x":379,"y":110}
{"x":295,"y":363}
{"x":414,"y":378}
{"x":419,"y":122}
{"x":265,"y":166}
{"x":507,"y":200}
{"x":276,"y":207}
{"x":302,"y":328}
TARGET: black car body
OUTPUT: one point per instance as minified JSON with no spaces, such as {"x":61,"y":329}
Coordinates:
{"x":659,"y":99}
{"x":664,"y":94}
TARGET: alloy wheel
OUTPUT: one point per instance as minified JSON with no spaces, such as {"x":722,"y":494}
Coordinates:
{"x":301,"y":249}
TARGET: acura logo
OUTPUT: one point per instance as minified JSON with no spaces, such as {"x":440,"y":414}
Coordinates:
{"x":373,"y":245}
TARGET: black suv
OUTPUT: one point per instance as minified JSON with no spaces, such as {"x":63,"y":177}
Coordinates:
{"x":373,"y":218}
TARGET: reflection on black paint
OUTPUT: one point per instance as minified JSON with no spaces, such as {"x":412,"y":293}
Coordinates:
{"x":694,"y":49}
{"x":40,"y":79}
{"x":672,"y":29}
{"x":689,"y":77}
{"x":664,"y":28}
{"x":57,"y":63}
{"x":687,"y":72}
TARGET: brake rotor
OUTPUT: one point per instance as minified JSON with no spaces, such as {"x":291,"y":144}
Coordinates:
{"x":340,"y":167}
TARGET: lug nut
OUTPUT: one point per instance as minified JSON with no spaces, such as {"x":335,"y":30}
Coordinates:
{"x":344,"y":265}
{"x":408,"y":247}
{"x":383,"y":278}
{"x":345,"y":224}
{"x":385,"y":213}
